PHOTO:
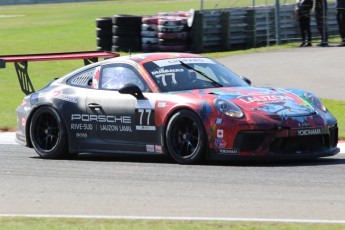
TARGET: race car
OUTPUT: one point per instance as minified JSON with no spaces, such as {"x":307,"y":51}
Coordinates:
{"x":182,"y":105}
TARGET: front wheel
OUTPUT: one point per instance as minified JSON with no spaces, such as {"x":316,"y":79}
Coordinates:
{"x":185,"y":137}
{"x":48,"y":133}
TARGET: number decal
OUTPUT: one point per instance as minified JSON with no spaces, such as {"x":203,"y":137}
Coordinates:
{"x":145,"y":119}
{"x":164,"y":76}
{"x":143,"y":112}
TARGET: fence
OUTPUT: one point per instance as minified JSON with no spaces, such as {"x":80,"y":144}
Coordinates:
{"x":225,"y":29}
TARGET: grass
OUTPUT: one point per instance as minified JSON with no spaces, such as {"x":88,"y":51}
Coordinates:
{"x":27,"y":223}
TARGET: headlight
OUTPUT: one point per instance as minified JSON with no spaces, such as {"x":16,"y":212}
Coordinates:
{"x":228,"y":108}
{"x":315,"y":101}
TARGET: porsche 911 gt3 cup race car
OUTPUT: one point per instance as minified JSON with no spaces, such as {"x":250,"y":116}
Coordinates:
{"x":183,"y":105}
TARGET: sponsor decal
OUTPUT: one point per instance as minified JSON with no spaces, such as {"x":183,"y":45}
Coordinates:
{"x":264,"y":98}
{"x":219,"y":142}
{"x":145,"y":128}
{"x":255,"y":125}
{"x":65,"y":97}
{"x":23,"y":121}
{"x":219,"y":121}
{"x":81,"y":126}
{"x":309,"y":132}
{"x":150,"y":148}
{"x":158,"y":149}
{"x":116,"y":128}
{"x":101,"y":118}
{"x":229,"y":151}
{"x":165,"y":71}
{"x":177,"y":61}
{"x":81,"y":135}
{"x":161,"y":104}
{"x":304,"y":124}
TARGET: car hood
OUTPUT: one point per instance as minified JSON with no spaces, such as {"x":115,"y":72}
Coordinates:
{"x":271,"y":101}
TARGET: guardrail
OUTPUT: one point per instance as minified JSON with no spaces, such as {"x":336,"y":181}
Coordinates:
{"x":225,"y":29}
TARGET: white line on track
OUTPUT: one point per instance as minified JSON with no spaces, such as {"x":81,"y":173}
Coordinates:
{"x":178,"y":218}
{"x":7,"y":138}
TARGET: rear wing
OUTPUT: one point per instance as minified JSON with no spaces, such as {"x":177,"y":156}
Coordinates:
{"x":21,"y":63}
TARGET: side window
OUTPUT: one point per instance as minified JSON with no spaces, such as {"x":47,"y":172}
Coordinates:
{"x":82,"y":79}
{"x":116,"y":75}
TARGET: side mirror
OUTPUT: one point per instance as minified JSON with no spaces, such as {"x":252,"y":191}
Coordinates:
{"x":133,"y":90}
{"x":249,"y":82}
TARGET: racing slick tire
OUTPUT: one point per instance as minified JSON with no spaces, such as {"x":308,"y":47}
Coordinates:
{"x":150,"y":20}
{"x":104,"y":42}
{"x":151,"y":34}
{"x":104,"y":33}
{"x":171,"y":29}
{"x":181,"y":35}
{"x":104,"y":22}
{"x":48,"y":134}
{"x":126,"y":30}
{"x":186,"y":137}
{"x":126,"y":20}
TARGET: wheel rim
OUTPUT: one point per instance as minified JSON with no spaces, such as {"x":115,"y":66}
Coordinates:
{"x":47,"y":132}
{"x":185,"y":137}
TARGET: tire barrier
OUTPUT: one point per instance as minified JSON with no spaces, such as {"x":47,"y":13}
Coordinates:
{"x":149,"y":33}
{"x":104,"y":33}
{"x":170,"y":30}
{"x":161,"y":32}
{"x":182,"y":35}
{"x":173,"y":31}
{"x":126,"y":33}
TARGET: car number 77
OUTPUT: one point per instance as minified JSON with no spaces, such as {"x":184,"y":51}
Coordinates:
{"x":165,"y":75}
{"x":145,"y":119}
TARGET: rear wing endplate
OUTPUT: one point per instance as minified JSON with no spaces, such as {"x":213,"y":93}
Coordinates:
{"x":21,"y":63}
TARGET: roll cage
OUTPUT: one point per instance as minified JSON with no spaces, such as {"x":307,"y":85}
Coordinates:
{"x":21,"y":63}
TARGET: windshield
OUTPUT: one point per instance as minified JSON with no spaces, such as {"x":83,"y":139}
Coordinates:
{"x":191,"y":73}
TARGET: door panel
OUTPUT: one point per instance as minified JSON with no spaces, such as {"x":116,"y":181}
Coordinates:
{"x":121,"y":118}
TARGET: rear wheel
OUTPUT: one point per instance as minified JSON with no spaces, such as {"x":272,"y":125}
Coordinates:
{"x":186,"y":137}
{"x":48,"y":134}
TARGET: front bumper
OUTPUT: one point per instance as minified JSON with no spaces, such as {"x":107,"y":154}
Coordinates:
{"x":281,"y":143}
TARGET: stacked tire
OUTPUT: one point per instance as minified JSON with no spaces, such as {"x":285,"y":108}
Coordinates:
{"x":104,"y":33}
{"x":149,"y":34}
{"x":126,"y":31}
{"x":172,"y":32}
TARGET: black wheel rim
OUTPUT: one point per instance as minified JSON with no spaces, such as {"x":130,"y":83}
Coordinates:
{"x":46,"y":132}
{"x":185,"y":137}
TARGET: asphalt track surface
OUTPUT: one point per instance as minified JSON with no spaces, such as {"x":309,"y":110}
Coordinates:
{"x":320,"y":70}
{"x":154,"y":187}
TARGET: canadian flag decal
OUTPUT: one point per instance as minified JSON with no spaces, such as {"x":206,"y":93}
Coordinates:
{"x":220,"y":133}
